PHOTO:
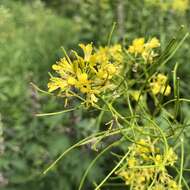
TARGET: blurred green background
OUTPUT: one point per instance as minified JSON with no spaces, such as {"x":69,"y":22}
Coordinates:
{"x":31,"y":35}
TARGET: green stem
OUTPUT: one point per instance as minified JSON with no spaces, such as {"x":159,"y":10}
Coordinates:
{"x":182,"y":162}
{"x":113,"y":170}
{"x":94,"y":161}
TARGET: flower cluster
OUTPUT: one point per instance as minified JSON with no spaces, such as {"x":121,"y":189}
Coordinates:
{"x":175,"y":5}
{"x":146,"y":50}
{"x":145,"y":166}
{"x":159,"y":85}
{"x":88,"y":75}
{"x":180,"y":5}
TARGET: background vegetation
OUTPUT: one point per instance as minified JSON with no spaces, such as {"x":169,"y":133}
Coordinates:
{"x":31,"y":34}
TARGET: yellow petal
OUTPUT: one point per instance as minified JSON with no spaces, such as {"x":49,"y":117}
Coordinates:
{"x":71,"y":81}
{"x":154,"y":43}
{"x":83,"y":77}
{"x":87,"y":49}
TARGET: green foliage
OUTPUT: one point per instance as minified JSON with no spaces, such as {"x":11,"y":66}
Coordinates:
{"x":31,"y":34}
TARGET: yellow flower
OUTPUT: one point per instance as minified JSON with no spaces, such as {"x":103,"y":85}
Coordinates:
{"x":102,"y":74}
{"x":159,"y":85}
{"x":115,"y":52}
{"x":101,"y":56}
{"x":143,"y":146}
{"x":155,"y":88}
{"x":158,"y":159}
{"x":173,"y":185}
{"x":139,"y":177}
{"x":132,"y":162}
{"x":161,"y":78}
{"x":137,"y":46}
{"x":111,"y":69}
{"x":180,"y":5}
{"x":93,"y":98}
{"x":87,"y":49}
{"x":153,"y":43}
{"x":90,"y":74}
{"x":106,"y":55}
{"x":171,"y":157}
{"x":56,"y":83}
{"x":71,"y":81}
{"x":166,"y":91}
{"x":83,"y":83}
{"x":128,"y":176}
{"x":62,"y":67}
{"x":82,"y":78}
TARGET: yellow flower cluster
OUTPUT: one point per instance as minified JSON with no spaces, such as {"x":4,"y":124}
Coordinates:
{"x":146,"y":164}
{"x":139,"y":47}
{"x":180,"y":5}
{"x":89,"y":74}
{"x":176,"y":5}
{"x":159,"y":85}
